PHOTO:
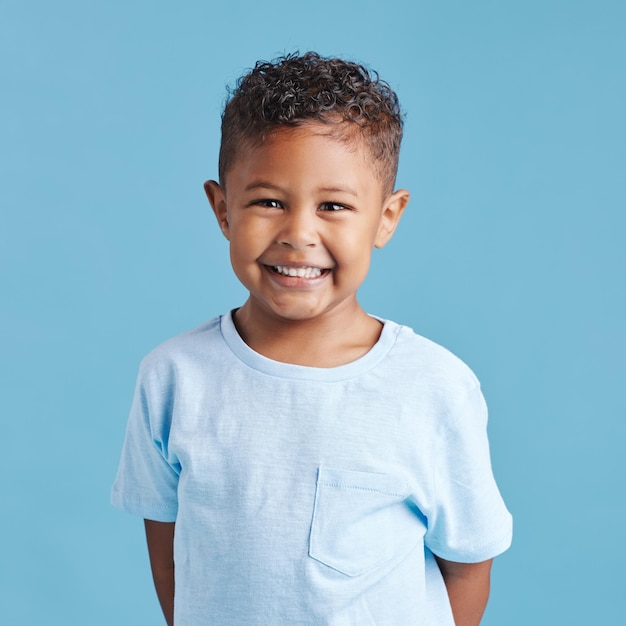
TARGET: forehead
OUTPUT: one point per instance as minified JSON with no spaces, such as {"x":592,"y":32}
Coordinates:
{"x":313,"y":153}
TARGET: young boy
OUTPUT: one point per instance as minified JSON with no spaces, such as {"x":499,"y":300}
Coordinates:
{"x":300,"y":461}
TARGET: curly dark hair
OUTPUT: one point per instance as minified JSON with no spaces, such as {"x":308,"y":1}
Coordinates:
{"x":295,"y":89}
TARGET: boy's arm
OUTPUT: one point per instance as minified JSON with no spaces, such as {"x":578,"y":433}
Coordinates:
{"x":468,"y":589}
{"x":160,"y":538}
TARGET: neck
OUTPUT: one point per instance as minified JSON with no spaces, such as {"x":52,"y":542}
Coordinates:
{"x":329,"y":340}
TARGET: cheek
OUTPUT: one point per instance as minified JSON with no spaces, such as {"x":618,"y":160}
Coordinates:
{"x":244,"y":242}
{"x":252,"y":232}
{"x":355,"y":246}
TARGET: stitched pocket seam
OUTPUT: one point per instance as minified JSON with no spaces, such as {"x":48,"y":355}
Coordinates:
{"x":338,"y":485}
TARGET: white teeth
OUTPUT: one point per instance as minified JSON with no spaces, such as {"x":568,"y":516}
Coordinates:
{"x":300,"y":272}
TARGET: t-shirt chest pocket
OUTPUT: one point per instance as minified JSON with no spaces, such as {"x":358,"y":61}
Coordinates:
{"x":352,"y":527}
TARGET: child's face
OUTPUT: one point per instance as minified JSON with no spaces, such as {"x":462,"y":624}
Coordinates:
{"x":303,"y":212}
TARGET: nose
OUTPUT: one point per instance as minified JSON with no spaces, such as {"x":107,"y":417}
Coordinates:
{"x":298,"y":229}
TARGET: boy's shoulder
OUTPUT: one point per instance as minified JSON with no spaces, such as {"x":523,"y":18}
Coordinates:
{"x":188,"y":345}
{"x":424,"y":358}
{"x":402,"y":353}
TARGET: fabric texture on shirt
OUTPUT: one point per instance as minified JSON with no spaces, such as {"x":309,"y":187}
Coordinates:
{"x":307,"y":495}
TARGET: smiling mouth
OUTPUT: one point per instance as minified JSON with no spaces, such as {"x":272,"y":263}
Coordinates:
{"x":298,"y":272}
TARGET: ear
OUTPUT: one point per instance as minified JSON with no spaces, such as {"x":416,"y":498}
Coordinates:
{"x":217,"y":198}
{"x":391,"y":214}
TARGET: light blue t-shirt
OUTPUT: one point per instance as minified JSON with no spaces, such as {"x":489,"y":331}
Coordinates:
{"x":307,"y":495}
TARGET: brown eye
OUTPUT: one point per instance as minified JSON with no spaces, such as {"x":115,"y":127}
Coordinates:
{"x":270,"y":204}
{"x":332,"y":207}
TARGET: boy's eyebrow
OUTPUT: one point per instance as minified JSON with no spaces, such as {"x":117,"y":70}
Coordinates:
{"x":340,"y":190}
{"x":257,"y":184}
{"x":262,"y":184}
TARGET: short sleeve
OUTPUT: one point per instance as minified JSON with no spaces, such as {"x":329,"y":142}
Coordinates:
{"x":468,"y":521}
{"x":147,"y":478}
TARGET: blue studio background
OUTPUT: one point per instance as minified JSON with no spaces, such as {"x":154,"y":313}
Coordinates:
{"x":511,"y":254}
